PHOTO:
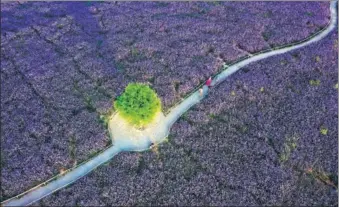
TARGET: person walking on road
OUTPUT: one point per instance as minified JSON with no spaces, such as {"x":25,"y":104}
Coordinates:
{"x":208,"y":82}
{"x":201,"y":92}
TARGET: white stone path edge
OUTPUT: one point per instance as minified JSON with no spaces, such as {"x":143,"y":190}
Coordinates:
{"x":74,"y":174}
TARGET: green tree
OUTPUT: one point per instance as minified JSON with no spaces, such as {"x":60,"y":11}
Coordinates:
{"x":139,"y":104}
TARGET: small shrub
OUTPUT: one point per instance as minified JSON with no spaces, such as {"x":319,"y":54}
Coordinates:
{"x":314,"y":82}
{"x":283,"y":62}
{"x":317,"y":59}
{"x":289,"y":146}
{"x":323,"y":130}
{"x":138,"y":104}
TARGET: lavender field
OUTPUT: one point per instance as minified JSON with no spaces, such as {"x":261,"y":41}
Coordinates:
{"x":268,"y":135}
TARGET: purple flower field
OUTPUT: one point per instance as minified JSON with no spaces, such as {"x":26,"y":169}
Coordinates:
{"x":268,"y":135}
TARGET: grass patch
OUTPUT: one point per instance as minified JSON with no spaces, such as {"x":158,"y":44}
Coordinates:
{"x":104,"y":118}
{"x":151,"y":80}
{"x":92,"y":153}
{"x":212,"y":116}
{"x":317,"y":59}
{"x":310,"y":14}
{"x":89,"y":104}
{"x":283,"y":62}
{"x":289,"y":146}
{"x":136,"y":54}
{"x":120,"y":66}
{"x":326,"y":178}
{"x":314,"y":82}
{"x":72,"y":147}
{"x":323,"y":130}
{"x":184,"y":116}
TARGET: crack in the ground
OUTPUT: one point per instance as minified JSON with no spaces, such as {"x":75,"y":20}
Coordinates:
{"x":27,"y":82}
{"x":45,"y":102}
{"x":75,"y":62}
{"x":56,"y":47}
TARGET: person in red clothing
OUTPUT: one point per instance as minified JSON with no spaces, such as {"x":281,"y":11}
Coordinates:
{"x":208,"y":82}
